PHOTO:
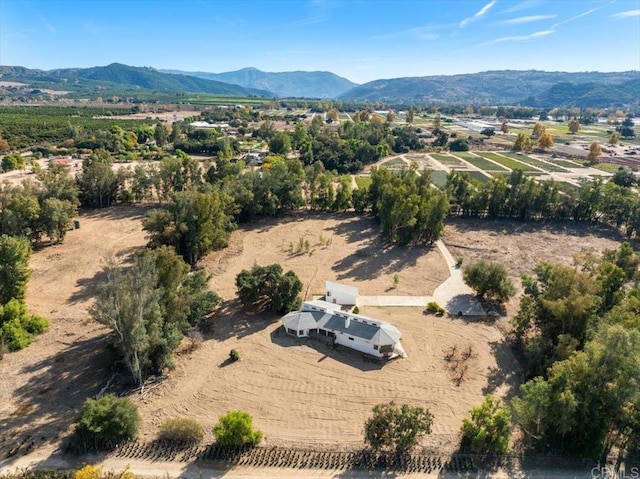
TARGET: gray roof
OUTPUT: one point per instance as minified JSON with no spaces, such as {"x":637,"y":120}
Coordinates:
{"x":379,"y":333}
{"x":361,"y":330}
{"x":300,"y":320}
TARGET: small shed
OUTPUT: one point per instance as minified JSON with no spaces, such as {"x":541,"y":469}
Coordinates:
{"x":342,"y":294}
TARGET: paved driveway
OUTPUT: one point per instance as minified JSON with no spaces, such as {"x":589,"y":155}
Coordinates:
{"x":453,"y":294}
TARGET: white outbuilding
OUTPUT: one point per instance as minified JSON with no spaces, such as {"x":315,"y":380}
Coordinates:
{"x":342,"y":294}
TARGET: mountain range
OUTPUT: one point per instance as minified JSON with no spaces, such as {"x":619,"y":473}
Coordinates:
{"x":530,"y":87}
{"x":119,"y":75}
{"x":298,"y":84}
{"x":506,"y":87}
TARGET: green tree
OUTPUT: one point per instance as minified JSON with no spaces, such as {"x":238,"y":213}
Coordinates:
{"x":459,"y":145}
{"x":488,"y":429}
{"x":342,"y":200}
{"x":13,"y":162}
{"x":98,"y":184}
{"x":624,"y":177}
{"x":56,"y":216}
{"x":489,"y":280}
{"x":194,"y":223}
{"x":108,"y":420}
{"x":523,"y":143}
{"x":397,"y":427}
{"x":588,"y":404}
{"x":236,"y":429}
{"x":488,"y":132}
{"x":410,"y":115}
{"x":265,"y":287}
{"x":280,"y":144}
{"x":129,"y":304}
{"x":14,"y":268}
{"x":161,"y":134}
{"x":408,"y":208}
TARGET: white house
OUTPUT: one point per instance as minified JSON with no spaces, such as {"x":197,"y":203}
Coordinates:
{"x":340,"y":293}
{"x":367,"y":335}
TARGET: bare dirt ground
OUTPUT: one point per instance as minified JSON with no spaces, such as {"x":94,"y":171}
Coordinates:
{"x":303,"y":393}
{"x":168,"y":116}
{"x":344,"y":248}
{"x":520,"y":246}
{"x":43,"y":385}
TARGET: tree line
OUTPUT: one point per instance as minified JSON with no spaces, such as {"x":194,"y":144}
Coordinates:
{"x":520,"y":197}
{"x":578,"y":332}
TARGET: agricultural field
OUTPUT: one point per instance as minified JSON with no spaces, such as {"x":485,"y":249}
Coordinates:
{"x":25,"y":126}
{"x":446,"y":159}
{"x":484,"y":164}
{"x":439,"y":178}
{"x":481,"y":177}
{"x":543,"y":165}
{"x":506,"y":162}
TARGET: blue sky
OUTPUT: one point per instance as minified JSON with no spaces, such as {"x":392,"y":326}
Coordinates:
{"x":361,"y":40}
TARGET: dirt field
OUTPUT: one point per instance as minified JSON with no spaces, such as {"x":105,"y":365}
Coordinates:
{"x":43,"y":385}
{"x":342,"y":248}
{"x":520,"y":246}
{"x":297,"y":392}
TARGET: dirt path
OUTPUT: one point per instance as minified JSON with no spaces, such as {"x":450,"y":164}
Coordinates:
{"x":157,"y":469}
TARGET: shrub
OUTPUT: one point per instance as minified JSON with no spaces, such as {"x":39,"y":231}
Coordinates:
{"x":459,"y":262}
{"x":236,"y":429}
{"x":108,"y":419}
{"x":35,"y":324}
{"x":356,"y":310}
{"x":234,"y":355}
{"x":15,"y":336}
{"x":488,"y":429}
{"x":89,"y":472}
{"x":183,"y":431}
{"x":435,"y":308}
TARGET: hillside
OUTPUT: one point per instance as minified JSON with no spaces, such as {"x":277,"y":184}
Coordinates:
{"x":297,"y":84}
{"x":503,"y":87}
{"x":587,"y":95}
{"x":117,"y":74}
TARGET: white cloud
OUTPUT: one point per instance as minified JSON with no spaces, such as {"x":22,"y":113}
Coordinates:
{"x":626,"y":14}
{"x":479,"y":14}
{"x":528,"y":19}
{"x":580,"y":15}
{"x":526,"y":5}
{"x":519,"y":38}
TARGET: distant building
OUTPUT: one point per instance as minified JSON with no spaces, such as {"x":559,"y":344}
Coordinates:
{"x":370,"y":336}
{"x":64,"y":160}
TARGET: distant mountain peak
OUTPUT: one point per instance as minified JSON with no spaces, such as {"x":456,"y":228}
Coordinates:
{"x":302,"y":84}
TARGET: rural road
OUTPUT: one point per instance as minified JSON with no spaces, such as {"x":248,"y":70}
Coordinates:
{"x":166,"y":470}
